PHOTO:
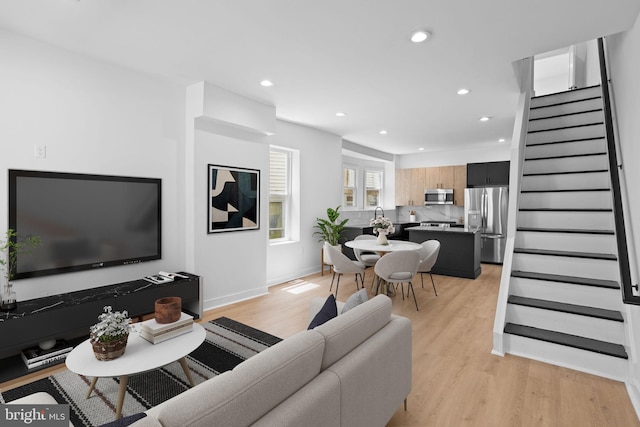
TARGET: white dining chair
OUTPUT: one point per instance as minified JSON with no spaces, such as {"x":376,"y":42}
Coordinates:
{"x":343,"y":265}
{"x":428,"y":257}
{"x":399,"y":267}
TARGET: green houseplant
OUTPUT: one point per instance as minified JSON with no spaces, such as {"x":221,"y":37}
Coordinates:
{"x":10,"y":248}
{"x":329,"y":229}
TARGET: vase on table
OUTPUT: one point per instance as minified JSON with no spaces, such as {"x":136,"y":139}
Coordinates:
{"x":9,"y":300}
{"x":382,"y":238}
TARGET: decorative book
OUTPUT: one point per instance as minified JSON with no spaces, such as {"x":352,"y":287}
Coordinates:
{"x":35,"y":356}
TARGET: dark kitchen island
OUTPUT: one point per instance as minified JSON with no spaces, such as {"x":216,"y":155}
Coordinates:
{"x":459,"y":249}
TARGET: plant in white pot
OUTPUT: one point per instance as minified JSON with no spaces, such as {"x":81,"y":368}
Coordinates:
{"x":329,"y":229}
{"x":10,"y":248}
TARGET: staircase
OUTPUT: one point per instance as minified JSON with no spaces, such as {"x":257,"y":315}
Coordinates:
{"x":564,"y":305}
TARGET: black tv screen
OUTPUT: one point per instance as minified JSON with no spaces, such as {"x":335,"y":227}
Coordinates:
{"x":84,"y":221}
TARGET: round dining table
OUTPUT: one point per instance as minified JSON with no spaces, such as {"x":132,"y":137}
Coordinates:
{"x":373,"y":246}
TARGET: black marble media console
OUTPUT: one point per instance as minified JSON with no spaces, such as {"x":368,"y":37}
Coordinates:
{"x":69,"y":316}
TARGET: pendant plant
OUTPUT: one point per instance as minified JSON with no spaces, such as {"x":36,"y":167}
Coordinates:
{"x":11,"y":247}
{"x":329,"y":229}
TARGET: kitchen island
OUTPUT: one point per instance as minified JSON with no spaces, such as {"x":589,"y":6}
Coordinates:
{"x":459,"y":249}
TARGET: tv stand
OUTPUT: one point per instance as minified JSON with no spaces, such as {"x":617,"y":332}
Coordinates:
{"x":69,"y":316}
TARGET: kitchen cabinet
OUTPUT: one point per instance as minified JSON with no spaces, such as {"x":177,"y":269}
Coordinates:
{"x":410,"y":187}
{"x":411,"y":183}
{"x":487,"y":174}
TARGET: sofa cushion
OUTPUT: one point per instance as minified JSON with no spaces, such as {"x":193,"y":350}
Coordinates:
{"x":328,"y":311}
{"x":354,"y":300}
{"x":245,"y":394}
{"x":349,"y":330}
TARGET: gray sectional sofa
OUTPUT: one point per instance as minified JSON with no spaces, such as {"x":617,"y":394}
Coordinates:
{"x":354,"y":370}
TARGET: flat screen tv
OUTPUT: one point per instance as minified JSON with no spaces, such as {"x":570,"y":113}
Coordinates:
{"x":84,"y":221}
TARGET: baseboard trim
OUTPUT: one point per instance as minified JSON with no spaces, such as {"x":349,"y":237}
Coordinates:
{"x":633,"y":390}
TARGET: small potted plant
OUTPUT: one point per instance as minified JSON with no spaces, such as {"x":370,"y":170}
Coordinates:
{"x":328,"y":229}
{"x":382,"y":226}
{"x":10,"y":248}
{"x":109,"y":336}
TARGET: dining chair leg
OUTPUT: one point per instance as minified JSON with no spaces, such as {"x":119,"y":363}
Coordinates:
{"x":433,"y":284}
{"x":422,"y":279}
{"x":410,"y":286}
{"x":332,"y":279}
{"x":402,"y":289}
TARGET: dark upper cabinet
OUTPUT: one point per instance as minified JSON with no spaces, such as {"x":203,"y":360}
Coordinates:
{"x":487,"y":174}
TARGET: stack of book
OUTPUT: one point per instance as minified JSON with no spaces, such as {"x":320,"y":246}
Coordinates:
{"x":35,"y":357}
{"x":155,"y":332}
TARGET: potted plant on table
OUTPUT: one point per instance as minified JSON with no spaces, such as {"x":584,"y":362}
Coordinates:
{"x":329,"y":229}
{"x":109,"y":336}
{"x":382,"y":226}
{"x":10,"y":248}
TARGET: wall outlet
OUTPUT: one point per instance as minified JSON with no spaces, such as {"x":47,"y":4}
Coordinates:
{"x":40,"y":151}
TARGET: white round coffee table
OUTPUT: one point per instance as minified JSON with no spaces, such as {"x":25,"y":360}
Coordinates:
{"x":139,"y":356}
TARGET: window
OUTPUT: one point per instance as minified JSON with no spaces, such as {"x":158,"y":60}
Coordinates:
{"x":279,"y":193}
{"x":372,"y":188}
{"x":349,"y":188}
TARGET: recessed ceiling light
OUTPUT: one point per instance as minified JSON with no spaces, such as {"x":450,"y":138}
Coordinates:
{"x":421,"y":149}
{"x":501,"y":140}
{"x":484,"y":119}
{"x":383,"y":132}
{"x":266,"y":83}
{"x":420,"y":36}
{"x":340,"y":114}
{"x":463,"y":91}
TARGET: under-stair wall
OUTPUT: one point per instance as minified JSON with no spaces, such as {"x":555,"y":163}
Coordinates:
{"x":564,"y":302}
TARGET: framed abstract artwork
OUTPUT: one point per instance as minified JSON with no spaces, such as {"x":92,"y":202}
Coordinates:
{"x":234,"y":199}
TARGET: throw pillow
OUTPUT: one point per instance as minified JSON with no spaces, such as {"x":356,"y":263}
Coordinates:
{"x":328,"y":311}
{"x":354,"y":300}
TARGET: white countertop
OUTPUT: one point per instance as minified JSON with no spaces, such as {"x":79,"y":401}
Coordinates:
{"x":443,"y":229}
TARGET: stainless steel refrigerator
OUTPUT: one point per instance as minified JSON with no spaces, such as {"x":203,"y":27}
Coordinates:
{"x":486,"y":209}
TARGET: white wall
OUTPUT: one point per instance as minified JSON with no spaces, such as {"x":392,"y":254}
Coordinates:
{"x":93,"y":118}
{"x":485,"y":153}
{"x":320,"y":172}
{"x":624,"y":66}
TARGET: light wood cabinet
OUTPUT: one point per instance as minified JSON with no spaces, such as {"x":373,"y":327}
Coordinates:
{"x":411,"y":183}
{"x":410,"y":187}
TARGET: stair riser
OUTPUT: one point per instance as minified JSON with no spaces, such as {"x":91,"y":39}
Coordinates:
{"x":584,"y":132}
{"x":568,"y":357}
{"x":567,"y":148}
{"x":578,"y":220}
{"x":571,"y":108}
{"x":590,"y":296}
{"x":572,"y":242}
{"x":583,"y":326}
{"x":567,"y":266}
{"x":566,"y":181}
{"x":564,"y":97}
{"x":566,"y":164}
{"x":577,"y":200}
{"x":565,"y":121}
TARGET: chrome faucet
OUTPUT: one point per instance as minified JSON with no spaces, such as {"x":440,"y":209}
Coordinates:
{"x":375,"y":213}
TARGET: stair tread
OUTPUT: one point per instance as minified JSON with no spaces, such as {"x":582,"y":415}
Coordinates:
{"x":566,"y":190}
{"x":534,"y":144}
{"x":600,"y":313}
{"x":555,"y":116}
{"x":600,"y":283}
{"x":565,"y":156}
{"x":589,"y":344}
{"x":565,"y":230}
{"x":570,"y":254}
{"x":564,"y":172}
{"x":566,"y":209}
{"x":566,"y":127}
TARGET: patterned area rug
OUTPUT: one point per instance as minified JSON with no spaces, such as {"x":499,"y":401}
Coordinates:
{"x":227,"y":344}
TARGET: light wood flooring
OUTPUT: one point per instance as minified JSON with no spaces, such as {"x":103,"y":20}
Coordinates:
{"x":456,"y":379}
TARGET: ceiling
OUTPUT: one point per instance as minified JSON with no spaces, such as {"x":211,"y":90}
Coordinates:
{"x":324,"y":57}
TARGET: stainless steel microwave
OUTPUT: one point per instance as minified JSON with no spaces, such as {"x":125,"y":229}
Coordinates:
{"x":438,"y":196}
